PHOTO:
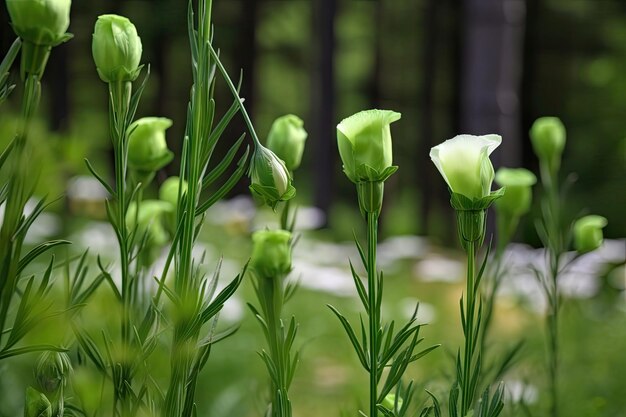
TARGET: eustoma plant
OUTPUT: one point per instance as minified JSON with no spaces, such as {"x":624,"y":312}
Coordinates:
{"x":364,"y":142}
{"x":464,"y":163}
{"x":271,"y":257}
{"x":548,"y":139}
{"x":40,"y":25}
{"x":144,"y":227}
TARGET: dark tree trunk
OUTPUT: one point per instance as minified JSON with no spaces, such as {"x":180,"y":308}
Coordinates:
{"x":57,"y":82}
{"x":323,"y":102}
{"x":493,"y":34}
{"x":429,"y":71}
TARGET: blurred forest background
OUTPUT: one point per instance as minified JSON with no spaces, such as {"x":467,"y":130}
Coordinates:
{"x":449,"y":66}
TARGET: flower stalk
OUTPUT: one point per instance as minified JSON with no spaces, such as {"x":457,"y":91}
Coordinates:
{"x":464,"y":164}
{"x":270,"y":264}
{"x":364,"y":142}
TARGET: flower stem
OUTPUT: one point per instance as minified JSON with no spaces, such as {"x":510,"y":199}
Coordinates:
{"x":549,"y":179}
{"x":120,"y":95}
{"x":235,"y":93}
{"x":374,"y":314}
{"x":272,"y":301}
{"x":17,"y":196}
{"x":468,"y":390}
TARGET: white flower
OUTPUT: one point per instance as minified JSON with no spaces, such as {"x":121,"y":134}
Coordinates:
{"x":464,"y":163}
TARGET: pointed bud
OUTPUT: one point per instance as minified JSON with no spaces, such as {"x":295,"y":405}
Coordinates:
{"x":286,"y":139}
{"x":116,"y":49}
{"x":270,"y":178}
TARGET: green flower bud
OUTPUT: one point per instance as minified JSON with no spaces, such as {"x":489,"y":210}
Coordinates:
{"x":116,"y":49}
{"x":464,"y":163}
{"x":518,"y":196}
{"x":271,"y":253}
{"x":270,"y":178}
{"x":40,"y":22}
{"x":36,"y":405}
{"x":286,"y":139}
{"x":169,"y":193}
{"x":147,"y":148}
{"x":364,"y":141}
{"x":389,"y":403}
{"x":547,"y":136}
{"x":52,"y":372}
{"x":588,"y":233}
{"x":148,"y":227}
{"x":169,"y":190}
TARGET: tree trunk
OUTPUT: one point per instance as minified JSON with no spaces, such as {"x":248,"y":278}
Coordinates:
{"x":492,"y":52}
{"x":323,"y":102}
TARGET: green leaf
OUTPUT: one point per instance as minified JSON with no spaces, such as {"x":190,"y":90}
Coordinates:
{"x":220,"y":168}
{"x":352,"y":336}
{"x":7,"y":353}
{"x":216,"y":305}
{"x":227,"y":186}
{"x":360,"y":287}
{"x":97,"y":176}
{"x":39,"y":250}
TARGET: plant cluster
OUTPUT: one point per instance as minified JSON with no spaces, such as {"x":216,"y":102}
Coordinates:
{"x":174,"y":306}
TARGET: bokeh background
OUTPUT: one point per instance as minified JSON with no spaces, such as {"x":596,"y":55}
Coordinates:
{"x":449,"y":66}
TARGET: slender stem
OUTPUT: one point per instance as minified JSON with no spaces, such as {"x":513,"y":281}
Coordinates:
{"x":120,"y":93}
{"x":467,"y":393}
{"x":235,"y":93}
{"x":17,"y":196}
{"x":272,"y":300}
{"x":374,"y":314}
{"x":549,"y":178}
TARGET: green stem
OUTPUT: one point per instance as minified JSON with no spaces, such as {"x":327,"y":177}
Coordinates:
{"x":374,"y":314}
{"x":549,"y":179}
{"x":179,"y":397}
{"x":235,"y":94}
{"x":17,"y":196}
{"x":120,"y":94}
{"x":467,"y":393}
{"x":273,"y":298}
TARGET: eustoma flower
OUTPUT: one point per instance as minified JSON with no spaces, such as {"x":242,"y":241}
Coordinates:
{"x":41,"y":24}
{"x":116,"y":49}
{"x":364,"y":142}
{"x":464,"y":164}
{"x":588,"y":233}
{"x":147,"y":148}
{"x":286,"y":139}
